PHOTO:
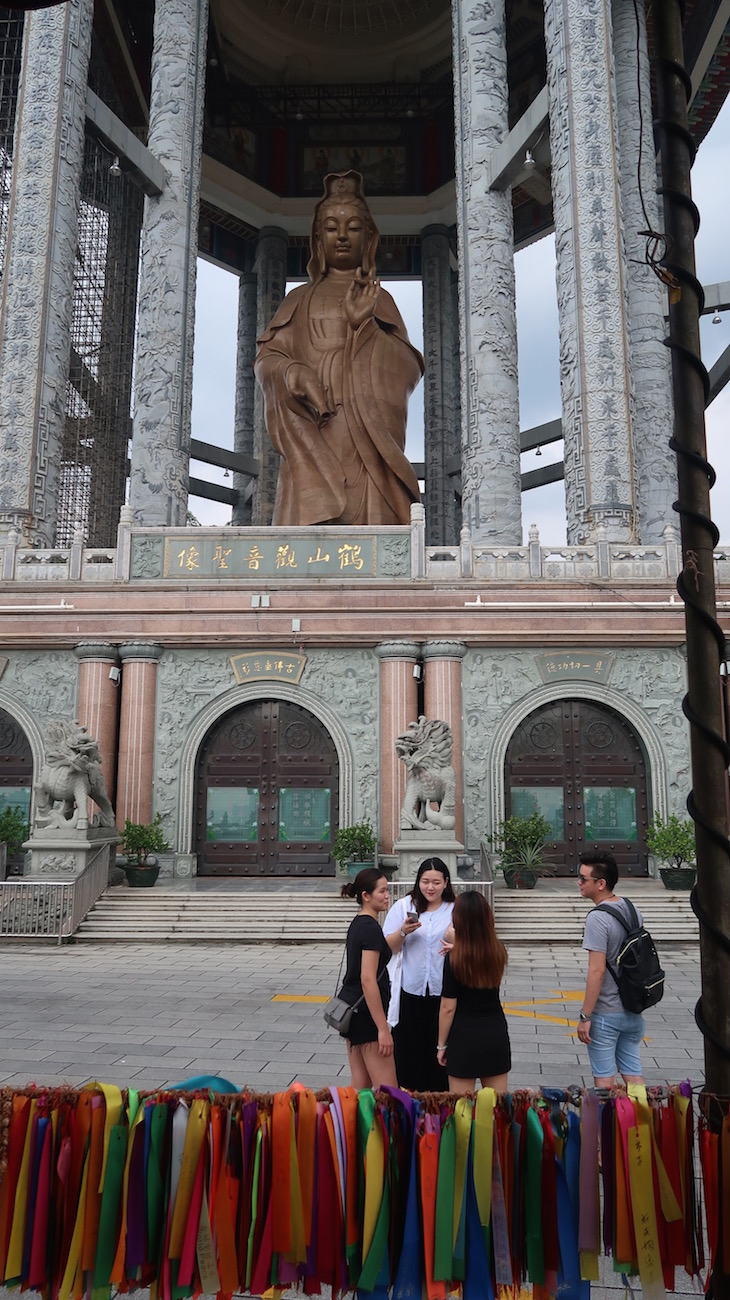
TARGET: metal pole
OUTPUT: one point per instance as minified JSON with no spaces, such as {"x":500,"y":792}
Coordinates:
{"x":703,"y":703}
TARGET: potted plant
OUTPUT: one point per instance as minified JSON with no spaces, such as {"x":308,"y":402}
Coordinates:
{"x":672,"y":841}
{"x":139,"y":842}
{"x":14,"y":829}
{"x":521,"y":843}
{"x":355,"y":847}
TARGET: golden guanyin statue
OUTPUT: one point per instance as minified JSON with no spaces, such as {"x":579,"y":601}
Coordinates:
{"x":337,"y":370}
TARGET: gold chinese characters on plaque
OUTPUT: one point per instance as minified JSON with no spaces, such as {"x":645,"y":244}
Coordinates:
{"x":268,"y":666}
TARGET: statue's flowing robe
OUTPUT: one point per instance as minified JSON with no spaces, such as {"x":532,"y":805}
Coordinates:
{"x":379,"y":370}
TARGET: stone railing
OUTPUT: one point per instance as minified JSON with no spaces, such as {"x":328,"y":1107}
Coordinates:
{"x":354,"y":555}
{"x":400,"y":888}
{"x":611,"y":561}
{"x":51,"y":909}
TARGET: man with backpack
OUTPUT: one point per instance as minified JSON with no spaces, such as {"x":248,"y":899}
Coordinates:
{"x":624,"y":975}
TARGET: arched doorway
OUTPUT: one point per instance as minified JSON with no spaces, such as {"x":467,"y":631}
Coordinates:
{"x":16,"y":776}
{"x":267,"y":793}
{"x":583,"y":766}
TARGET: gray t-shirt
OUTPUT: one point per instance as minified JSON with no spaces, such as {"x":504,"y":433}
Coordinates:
{"x":603,"y":933}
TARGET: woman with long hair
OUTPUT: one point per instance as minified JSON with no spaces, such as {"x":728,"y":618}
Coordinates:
{"x":417,"y":976}
{"x":369,"y":1041}
{"x":473,"y":1041}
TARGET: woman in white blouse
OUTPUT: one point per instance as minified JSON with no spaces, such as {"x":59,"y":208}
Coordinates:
{"x":416,"y":977}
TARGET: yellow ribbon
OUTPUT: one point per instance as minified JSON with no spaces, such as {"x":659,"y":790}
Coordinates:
{"x":644,"y":1213}
{"x":483,"y":1151}
{"x":113,"y":1109}
{"x":462,"y":1120}
{"x":14,"y":1260}
{"x":671,"y":1208}
{"x":73,"y":1263}
{"x":374,"y":1169}
{"x":205,"y":1250}
{"x":194,"y":1138}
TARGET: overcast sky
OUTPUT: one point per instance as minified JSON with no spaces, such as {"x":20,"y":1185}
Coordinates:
{"x":537,"y":330}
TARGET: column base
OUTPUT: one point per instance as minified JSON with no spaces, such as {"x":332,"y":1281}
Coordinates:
{"x":57,"y":854}
{"x":412,"y":847}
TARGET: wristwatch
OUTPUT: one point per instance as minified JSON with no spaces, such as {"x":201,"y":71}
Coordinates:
{"x":582,"y":1016}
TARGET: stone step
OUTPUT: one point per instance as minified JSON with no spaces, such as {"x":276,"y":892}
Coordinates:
{"x":174,"y":916}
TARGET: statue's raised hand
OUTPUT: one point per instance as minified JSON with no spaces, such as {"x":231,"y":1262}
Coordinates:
{"x":361,"y":297}
{"x":305,"y":386}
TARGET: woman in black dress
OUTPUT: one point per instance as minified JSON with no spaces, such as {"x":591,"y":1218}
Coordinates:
{"x":473,"y":1039}
{"x":370,"y":1042}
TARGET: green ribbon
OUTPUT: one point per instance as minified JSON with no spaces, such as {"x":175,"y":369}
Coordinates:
{"x":254,"y":1200}
{"x":533,"y":1199}
{"x":156,"y":1182}
{"x":377,"y":1254}
{"x":109,"y":1212}
{"x":444,"y":1229}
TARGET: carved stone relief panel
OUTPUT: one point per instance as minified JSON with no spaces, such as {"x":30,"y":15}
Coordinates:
{"x":44,"y":684}
{"x":650,"y":681}
{"x":347,"y":682}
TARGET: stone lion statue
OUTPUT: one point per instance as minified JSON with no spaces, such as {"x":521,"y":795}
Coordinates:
{"x":70,"y":776}
{"x":426,"y":749}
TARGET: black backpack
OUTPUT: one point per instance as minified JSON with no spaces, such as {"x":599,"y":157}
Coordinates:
{"x":639,"y":976}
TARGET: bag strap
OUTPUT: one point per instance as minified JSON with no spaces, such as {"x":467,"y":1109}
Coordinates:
{"x":337,"y":984}
{"x":631,"y":924}
{"x":362,"y":995}
{"x":633,"y":921}
{"x":342,"y":962}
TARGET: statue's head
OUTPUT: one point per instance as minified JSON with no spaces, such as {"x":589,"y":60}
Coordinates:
{"x":343,"y":199}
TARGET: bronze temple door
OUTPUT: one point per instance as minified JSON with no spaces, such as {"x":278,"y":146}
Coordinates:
{"x":16,"y":776}
{"x":583,"y":767}
{"x":267,"y":794}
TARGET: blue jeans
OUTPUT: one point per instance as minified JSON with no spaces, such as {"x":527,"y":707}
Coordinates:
{"x":615,"y":1043}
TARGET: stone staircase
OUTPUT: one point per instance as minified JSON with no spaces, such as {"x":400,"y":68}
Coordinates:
{"x":550,"y":914}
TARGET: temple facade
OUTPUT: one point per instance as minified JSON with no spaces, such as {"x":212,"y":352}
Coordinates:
{"x":248,"y":682}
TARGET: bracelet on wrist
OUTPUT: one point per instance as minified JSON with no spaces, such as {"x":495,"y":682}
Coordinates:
{"x":441,"y":1047}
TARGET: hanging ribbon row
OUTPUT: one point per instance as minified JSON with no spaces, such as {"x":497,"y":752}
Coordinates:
{"x":382,"y":1194}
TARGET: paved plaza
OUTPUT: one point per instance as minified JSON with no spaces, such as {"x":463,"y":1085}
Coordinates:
{"x":154,"y":1015}
{"x":149,"y":1015}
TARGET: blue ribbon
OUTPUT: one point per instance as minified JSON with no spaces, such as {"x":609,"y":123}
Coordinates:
{"x":477,"y":1284}
{"x":204,"y":1082}
{"x":408,"y":1283}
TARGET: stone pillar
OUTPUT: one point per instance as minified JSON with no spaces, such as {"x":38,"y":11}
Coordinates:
{"x":441,"y":404}
{"x":137,"y":731}
{"x":442,"y":699}
{"x":591,"y":273}
{"x":270,"y":268}
{"x":656,"y":465}
{"x":398,"y":708}
{"x":37,"y":300}
{"x":490,"y":424}
{"x":243,"y":436}
{"x":164,"y":368}
{"x":98,"y":703}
